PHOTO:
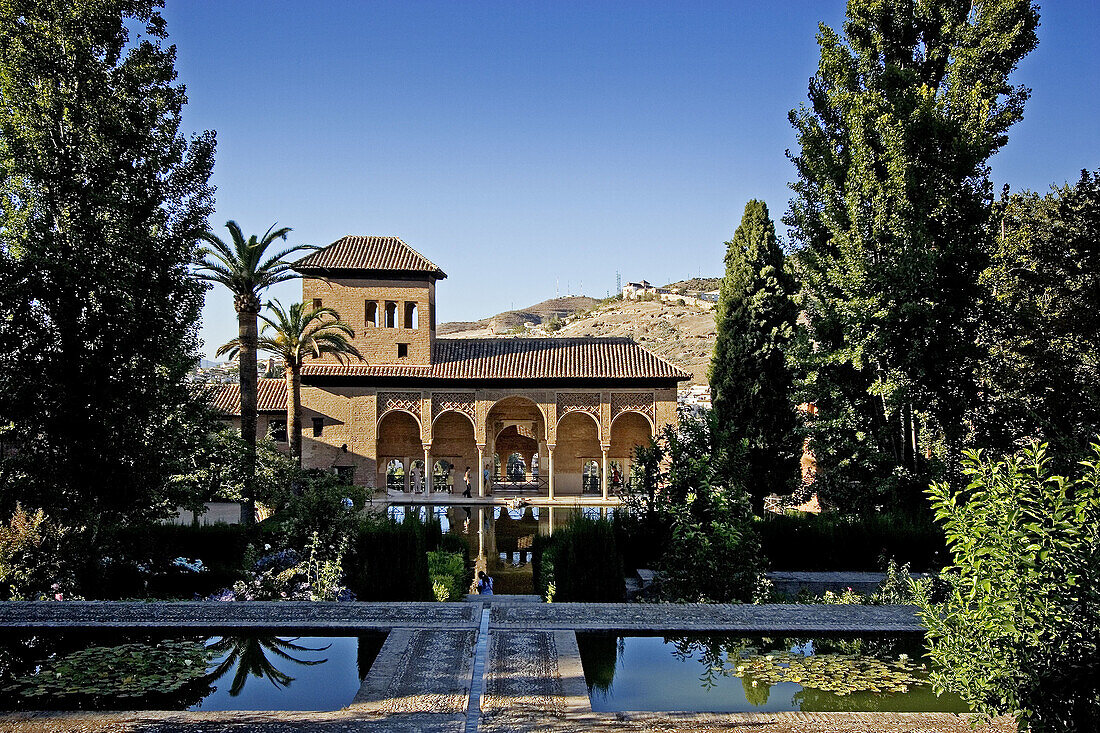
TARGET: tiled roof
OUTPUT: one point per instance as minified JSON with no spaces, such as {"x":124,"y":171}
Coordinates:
{"x":522,"y":358}
{"x":270,"y":397}
{"x":369,"y":253}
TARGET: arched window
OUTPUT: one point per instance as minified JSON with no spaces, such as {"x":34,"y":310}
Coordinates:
{"x":372,"y":313}
{"x":517,"y":468}
{"x":591,"y":477}
{"x":395,"y":475}
{"x":410,"y":314}
{"x":391,"y":314}
{"x":442,"y":480}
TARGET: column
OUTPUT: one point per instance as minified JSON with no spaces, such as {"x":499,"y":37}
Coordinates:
{"x":550,"y":469}
{"x":480,"y":469}
{"x":427,"y":470}
{"x":603,"y":472}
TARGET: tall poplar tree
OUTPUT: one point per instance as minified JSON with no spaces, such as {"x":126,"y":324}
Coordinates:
{"x":891,"y":210}
{"x":102,"y":199}
{"x":749,"y":379}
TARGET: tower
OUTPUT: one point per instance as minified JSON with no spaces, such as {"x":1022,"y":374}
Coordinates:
{"x":383,"y":289}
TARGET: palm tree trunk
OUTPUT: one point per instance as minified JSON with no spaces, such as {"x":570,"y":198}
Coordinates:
{"x":247,"y":332}
{"x":294,"y":409}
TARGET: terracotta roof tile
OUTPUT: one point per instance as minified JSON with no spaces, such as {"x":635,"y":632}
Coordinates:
{"x":522,"y":358}
{"x":270,"y":397}
{"x":369,"y":253}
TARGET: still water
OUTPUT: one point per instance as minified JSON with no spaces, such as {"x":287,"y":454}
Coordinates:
{"x":725,"y":674}
{"x":499,"y":536}
{"x":202,"y":672}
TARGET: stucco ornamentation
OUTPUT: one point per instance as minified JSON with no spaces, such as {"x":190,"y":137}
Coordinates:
{"x":406,"y":401}
{"x":632,"y":402}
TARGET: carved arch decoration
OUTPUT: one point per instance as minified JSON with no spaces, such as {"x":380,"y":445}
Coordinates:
{"x":462,"y":402}
{"x":640,"y":402}
{"x":586,"y":402}
{"x":404,"y":401}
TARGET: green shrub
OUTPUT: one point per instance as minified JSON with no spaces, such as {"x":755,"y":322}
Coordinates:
{"x":222,"y":548}
{"x":387,"y":561}
{"x":447,"y":571}
{"x":844,"y":542}
{"x":319,"y":506}
{"x":1019,"y":633}
{"x":32,"y":560}
{"x":582,"y":561}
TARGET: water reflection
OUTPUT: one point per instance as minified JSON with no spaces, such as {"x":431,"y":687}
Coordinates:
{"x":139,"y":672}
{"x":746,"y":674}
{"x":499,"y":538}
{"x":248,"y":656}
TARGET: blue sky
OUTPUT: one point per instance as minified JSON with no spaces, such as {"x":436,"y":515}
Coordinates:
{"x":537,"y":148}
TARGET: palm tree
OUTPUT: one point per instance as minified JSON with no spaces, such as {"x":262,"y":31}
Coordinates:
{"x":294,"y":333}
{"x":246,"y":269}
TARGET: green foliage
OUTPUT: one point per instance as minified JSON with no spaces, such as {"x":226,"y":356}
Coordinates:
{"x":891,"y":213}
{"x":101,"y":674}
{"x":1019,"y":632}
{"x":832,"y":541}
{"x":101,"y":200}
{"x":317,"y":505}
{"x":449,"y":576}
{"x":217,"y":469}
{"x":388,"y":561}
{"x":689,"y":515}
{"x":749,"y":377}
{"x":581,"y":561}
{"x":1042,"y":377}
{"x":220,"y":547}
{"x":32,"y":557}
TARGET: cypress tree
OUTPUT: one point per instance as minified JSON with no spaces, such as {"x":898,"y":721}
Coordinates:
{"x":750,"y":381}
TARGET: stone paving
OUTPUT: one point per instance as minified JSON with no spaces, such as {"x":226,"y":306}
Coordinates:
{"x":351,"y":617}
{"x":689,"y":618}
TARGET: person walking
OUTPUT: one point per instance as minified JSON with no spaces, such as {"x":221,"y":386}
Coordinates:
{"x":417,"y":480}
{"x":488,"y":480}
{"x":466,"y":478}
{"x":484,"y":583}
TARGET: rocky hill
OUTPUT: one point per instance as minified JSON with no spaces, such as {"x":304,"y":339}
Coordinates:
{"x":681,"y":334}
{"x":518,"y":321}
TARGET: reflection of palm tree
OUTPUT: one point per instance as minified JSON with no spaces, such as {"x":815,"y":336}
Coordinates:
{"x":249,"y":655}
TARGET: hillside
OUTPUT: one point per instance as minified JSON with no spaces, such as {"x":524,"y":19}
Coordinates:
{"x":517,"y":321}
{"x":682,"y":335}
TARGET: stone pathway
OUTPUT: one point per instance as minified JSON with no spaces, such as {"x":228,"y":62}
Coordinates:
{"x":354,"y":617}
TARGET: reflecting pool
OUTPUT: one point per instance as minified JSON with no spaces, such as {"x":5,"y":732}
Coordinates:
{"x":199,"y":672}
{"x":499,"y":535}
{"x":723,"y":674}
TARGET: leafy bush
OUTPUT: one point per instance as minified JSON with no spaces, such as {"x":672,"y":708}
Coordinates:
{"x":690,"y":514}
{"x":582,"y":561}
{"x":321,"y":504}
{"x":286,"y":575}
{"x":1019,"y":632}
{"x":843,"y":542}
{"x":143,"y":560}
{"x":447,"y":571}
{"x":387,"y":561}
{"x":32,"y":561}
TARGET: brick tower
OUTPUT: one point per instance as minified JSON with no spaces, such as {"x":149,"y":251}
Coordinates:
{"x":382,"y":288}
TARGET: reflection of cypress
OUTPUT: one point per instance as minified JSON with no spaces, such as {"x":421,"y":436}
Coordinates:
{"x":756,"y":693}
{"x":367,"y":652}
{"x":599,"y":656}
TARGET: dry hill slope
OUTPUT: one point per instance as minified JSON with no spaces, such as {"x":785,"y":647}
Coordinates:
{"x":682,"y":335}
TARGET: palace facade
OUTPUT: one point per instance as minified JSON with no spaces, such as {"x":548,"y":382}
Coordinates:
{"x":554,"y":417}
